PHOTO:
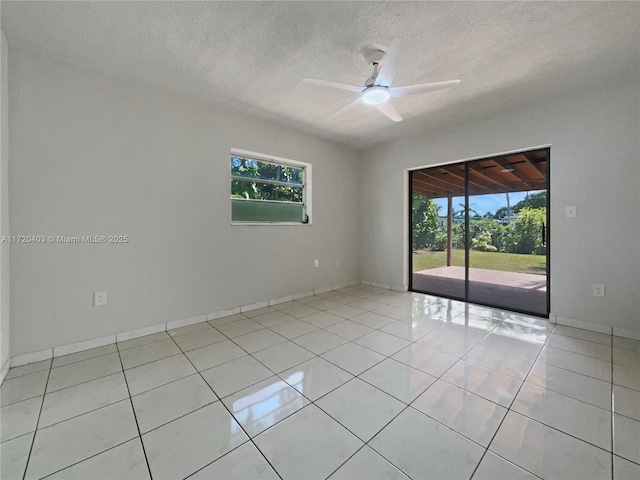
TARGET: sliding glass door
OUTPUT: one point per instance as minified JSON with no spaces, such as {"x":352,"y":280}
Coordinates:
{"x":479,"y":231}
{"x":438,"y":233}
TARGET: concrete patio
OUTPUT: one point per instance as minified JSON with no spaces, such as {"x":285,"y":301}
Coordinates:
{"x":510,"y":290}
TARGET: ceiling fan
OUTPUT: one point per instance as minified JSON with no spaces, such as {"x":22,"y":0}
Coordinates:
{"x":377,"y":88}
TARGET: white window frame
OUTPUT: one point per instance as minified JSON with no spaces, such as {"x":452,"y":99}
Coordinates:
{"x":306,"y":184}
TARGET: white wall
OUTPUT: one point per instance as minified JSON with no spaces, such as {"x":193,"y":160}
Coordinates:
{"x":91,"y":155}
{"x":4,"y":211}
{"x":595,"y":165}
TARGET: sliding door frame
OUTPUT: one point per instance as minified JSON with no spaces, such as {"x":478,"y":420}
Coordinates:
{"x":466,"y":229}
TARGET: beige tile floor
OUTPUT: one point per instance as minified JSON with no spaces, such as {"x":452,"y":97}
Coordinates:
{"x":360,"y":383}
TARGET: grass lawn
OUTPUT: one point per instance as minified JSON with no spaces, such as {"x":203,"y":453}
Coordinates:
{"x":507,"y":262}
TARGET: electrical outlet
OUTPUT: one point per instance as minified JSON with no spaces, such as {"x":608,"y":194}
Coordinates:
{"x":570,"y":211}
{"x":337,"y":263}
{"x":99,"y":299}
{"x":316,"y":263}
{"x":598,"y":290}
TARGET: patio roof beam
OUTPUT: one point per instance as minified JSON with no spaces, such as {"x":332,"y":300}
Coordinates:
{"x":446,"y":177}
{"x":516,"y":170}
{"x":536,"y":164}
{"x":491,"y":176}
{"x":478,"y":186}
{"x":436,"y":183}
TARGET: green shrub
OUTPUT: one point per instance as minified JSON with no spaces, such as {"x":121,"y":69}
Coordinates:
{"x":527,"y":231}
{"x":439,"y":242}
{"x":458,"y":235}
{"x":425,"y":221}
{"x":482,"y":242}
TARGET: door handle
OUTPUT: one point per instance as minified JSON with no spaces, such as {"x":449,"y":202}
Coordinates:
{"x":544,"y":235}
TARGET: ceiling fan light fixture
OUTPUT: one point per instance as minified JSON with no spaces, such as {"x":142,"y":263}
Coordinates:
{"x":377,"y":89}
{"x":375,"y":95}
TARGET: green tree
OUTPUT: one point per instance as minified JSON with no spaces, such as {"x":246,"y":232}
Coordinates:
{"x":426,"y":224}
{"x":535,"y":200}
{"x":526,"y":234}
{"x":248,"y":174}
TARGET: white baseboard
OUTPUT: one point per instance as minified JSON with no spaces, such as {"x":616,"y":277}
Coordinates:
{"x":298,"y":296}
{"x":320,"y":291}
{"x":4,"y":369}
{"x":81,"y":346}
{"x":185,"y":322}
{"x":33,"y":357}
{"x":58,"y":351}
{"x":572,"y":322}
{"x":223,"y":313}
{"x":254,"y":306}
{"x":141,"y":332}
{"x":395,"y":288}
{"x":48,"y":353}
{"x":278,"y":301}
{"x":569,"y":322}
{"x":623,"y":332}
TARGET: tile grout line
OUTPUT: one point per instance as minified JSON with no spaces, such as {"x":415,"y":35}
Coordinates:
{"x":25,"y":374}
{"x":89,"y":457}
{"x":311,"y":402}
{"x":509,"y":410}
{"x":35,"y":431}
{"x":365,"y":443}
{"x":612,"y":416}
{"x":568,"y":396}
{"x":84,"y":359}
{"x":580,"y":353}
{"x":135,"y":417}
{"x":316,"y":355}
{"x":407,"y":406}
{"x":77,"y":385}
{"x":354,"y":376}
{"x":556,"y":428}
{"x":250,"y":439}
{"x":76,"y":416}
{"x":362,"y":447}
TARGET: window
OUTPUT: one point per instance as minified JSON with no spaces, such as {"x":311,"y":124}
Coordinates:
{"x":266,"y":189}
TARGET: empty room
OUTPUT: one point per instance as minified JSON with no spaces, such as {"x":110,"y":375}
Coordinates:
{"x":320,"y":239}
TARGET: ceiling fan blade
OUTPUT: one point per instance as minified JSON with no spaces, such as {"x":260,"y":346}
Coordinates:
{"x":390,"y":64}
{"x":422,"y":88}
{"x":390,"y":111}
{"x":348,"y":107}
{"x":327,"y":83}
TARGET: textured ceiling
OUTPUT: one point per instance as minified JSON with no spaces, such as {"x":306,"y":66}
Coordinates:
{"x":253,"y":56}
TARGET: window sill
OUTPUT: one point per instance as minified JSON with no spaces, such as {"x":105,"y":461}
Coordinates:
{"x":275,"y":224}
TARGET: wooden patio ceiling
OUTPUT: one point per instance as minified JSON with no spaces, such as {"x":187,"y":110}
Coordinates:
{"x":518,"y":172}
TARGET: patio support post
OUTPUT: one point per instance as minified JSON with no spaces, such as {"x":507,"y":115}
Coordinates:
{"x":449,"y":229}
